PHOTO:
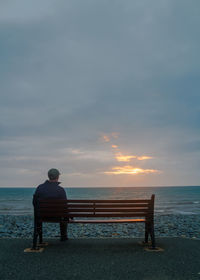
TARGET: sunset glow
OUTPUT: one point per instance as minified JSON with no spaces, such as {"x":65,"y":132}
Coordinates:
{"x":114,"y":146}
{"x":128,"y":169}
{"x":144,"y":158}
{"x":110,"y":136}
{"x":120,"y":157}
{"x":106,"y":138}
{"x":128,"y":158}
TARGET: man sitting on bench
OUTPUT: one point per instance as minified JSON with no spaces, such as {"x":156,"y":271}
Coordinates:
{"x":51,"y":189}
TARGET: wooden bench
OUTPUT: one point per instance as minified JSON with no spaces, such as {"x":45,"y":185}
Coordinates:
{"x":95,"y":211}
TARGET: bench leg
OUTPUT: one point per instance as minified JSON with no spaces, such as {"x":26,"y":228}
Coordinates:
{"x":35,"y":236}
{"x":40,"y":234}
{"x":152,"y":236}
{"x":146,"y":233}
{"x":63,"y":230}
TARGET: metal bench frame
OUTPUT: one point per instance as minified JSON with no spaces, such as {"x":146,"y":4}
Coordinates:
{"x":67,"y":211}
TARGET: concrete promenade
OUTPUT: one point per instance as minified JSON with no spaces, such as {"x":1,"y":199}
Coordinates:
{"x":112,"y":258}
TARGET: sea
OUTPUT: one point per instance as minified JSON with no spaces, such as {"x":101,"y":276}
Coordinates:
{"x":168,"y":200}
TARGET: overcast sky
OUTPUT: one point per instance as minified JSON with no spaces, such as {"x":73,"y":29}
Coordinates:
{"x":108,"y":92}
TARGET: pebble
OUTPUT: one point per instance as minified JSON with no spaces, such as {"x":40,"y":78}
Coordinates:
{"x":187,"y":226}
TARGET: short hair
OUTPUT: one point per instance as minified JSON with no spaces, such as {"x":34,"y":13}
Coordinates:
{"x":53,"y":174}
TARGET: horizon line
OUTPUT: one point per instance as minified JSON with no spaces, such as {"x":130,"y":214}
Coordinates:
{"x":96,"y":187}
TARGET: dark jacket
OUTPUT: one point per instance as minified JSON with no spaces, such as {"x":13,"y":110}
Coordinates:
{"x":49,"y":190}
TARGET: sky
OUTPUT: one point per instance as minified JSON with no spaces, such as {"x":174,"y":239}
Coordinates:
{"x":108,"y":92}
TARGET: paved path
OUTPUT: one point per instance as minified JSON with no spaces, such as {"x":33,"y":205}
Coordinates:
{"x":85,"y":259}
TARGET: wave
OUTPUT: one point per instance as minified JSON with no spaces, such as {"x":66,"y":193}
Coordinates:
{"x":13,"y":200}
{"x":162,"y":203}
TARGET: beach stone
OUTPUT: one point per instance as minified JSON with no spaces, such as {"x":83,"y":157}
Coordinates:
{"x":165,"y":225}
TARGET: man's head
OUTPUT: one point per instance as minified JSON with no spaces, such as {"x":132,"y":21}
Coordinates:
{"x":53,"y":174}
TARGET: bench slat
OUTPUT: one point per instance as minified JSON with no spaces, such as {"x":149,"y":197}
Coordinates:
{"x":93,"y":215}
{"x":109,"y":201}
{"x":107,"y":205}
{"x":108,"y":210}
{"x":50,"y":206}
{"x":46,"y":210}
{"x":94,"y":201}
{"x":63,"y":205}
{"x":108,"y":221}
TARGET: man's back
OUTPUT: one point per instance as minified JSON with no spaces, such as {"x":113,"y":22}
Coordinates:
{"x":49,"y":190}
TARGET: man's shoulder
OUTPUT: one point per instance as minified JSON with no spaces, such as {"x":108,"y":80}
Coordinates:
{"x":41,"y":185}
{"x":62,"y":192}
{"x":61,"y":188}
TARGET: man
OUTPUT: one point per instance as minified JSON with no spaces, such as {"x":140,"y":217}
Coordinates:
{"x":51,"y":189}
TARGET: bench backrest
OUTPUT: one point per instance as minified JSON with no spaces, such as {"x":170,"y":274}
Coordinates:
{"x":56,"y":208}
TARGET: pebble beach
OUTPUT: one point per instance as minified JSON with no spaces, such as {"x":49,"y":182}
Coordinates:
{"x":21,"y":226}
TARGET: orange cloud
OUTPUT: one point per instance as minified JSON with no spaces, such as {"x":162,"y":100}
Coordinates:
{"x":76,"y":152}
{"x":114,"y":146}
{"x":128,"y":158}
{"x":128,"y":169}
{"x":120,"y":157}
{"x":106,"y":138}
{"x":110,"y":136}
{"x":144,"y":158}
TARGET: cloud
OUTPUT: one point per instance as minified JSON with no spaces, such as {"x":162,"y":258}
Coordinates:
{"x":106,"y":138}
{"x":114,"y":146}
{"x":144,"y":157}
{"x":128,"y":158}
{"x":120,"y":157}
{"x":109,"y":137}
{"x":130,"y":170}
